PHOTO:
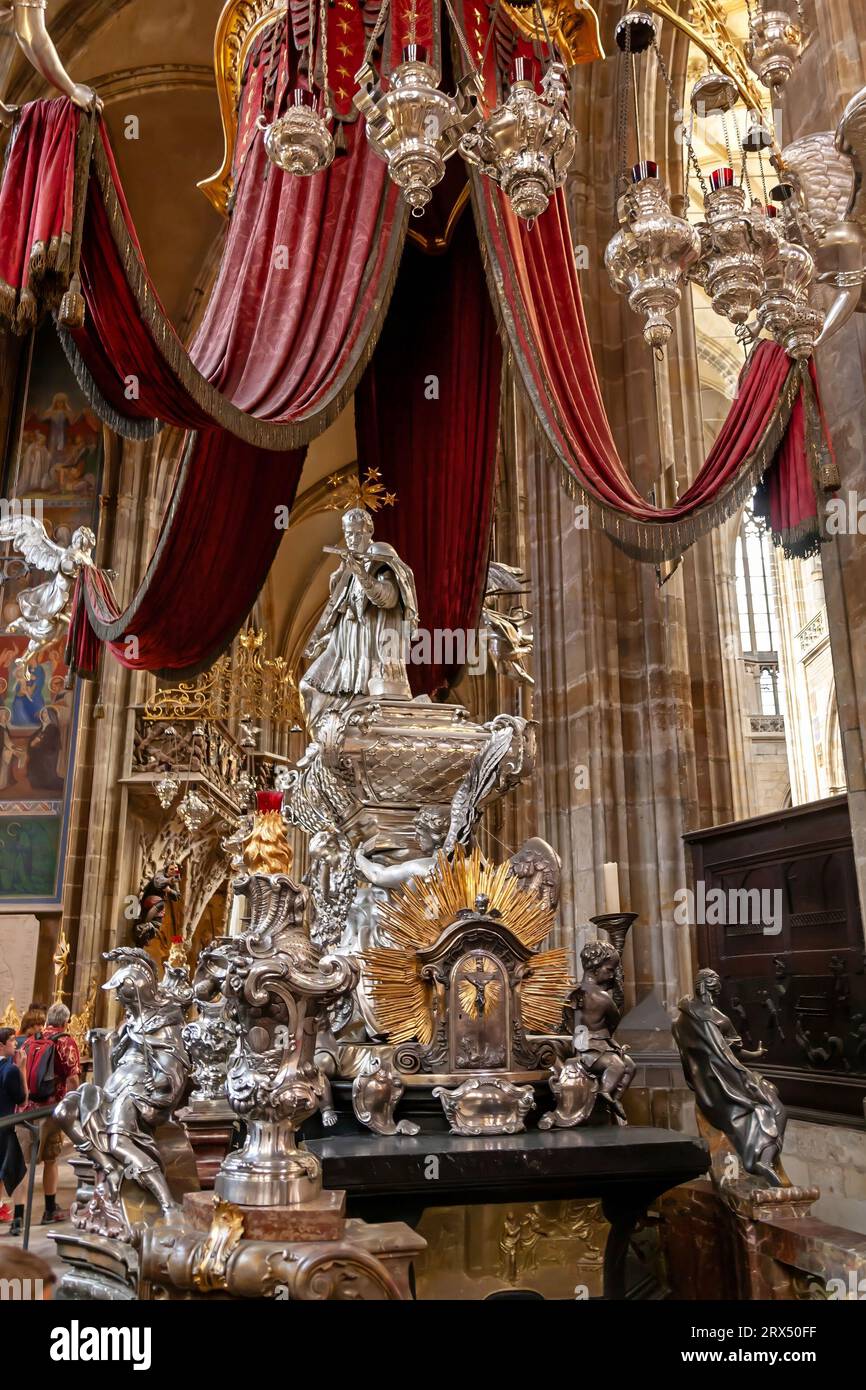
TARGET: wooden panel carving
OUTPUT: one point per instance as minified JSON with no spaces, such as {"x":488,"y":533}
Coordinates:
{"x":793,"y":974}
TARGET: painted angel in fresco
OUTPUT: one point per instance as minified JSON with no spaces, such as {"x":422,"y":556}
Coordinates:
{"x":45,"y":609}
{"x":28,"y":17}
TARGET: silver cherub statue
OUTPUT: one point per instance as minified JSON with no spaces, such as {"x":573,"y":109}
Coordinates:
{"x":115,"y":1125}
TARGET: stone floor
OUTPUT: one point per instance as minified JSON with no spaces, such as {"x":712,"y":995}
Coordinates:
{"x":39,"y":1241}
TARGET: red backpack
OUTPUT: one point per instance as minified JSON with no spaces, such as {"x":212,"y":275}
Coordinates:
{"x":42,"y":1076}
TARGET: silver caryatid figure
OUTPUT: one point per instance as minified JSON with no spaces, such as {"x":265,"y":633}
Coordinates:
{"x":277,"y":989}
{"x":45,"y":609}
{"x":358,"y":646}
{"x":115,"y":1125}
{"x":736,"y":1100}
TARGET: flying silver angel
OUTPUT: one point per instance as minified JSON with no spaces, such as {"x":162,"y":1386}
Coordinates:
{"x":509,"y":636}
{"x":45,"y":609}
{"x":827,"y":169}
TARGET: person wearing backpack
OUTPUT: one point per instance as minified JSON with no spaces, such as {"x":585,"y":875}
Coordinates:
{"x":52,"y":1065}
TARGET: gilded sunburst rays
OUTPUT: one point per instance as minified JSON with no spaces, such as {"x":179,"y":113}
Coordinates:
{"x":417,"y":916}
{"x":422,"y":910}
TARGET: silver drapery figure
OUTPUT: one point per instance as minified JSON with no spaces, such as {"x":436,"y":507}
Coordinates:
{"x":740,"y":1102}
{"x":357,"y":648}
{"x":114,"y":1125}
{"x":45,"y":609}
{"x":508,"y":635}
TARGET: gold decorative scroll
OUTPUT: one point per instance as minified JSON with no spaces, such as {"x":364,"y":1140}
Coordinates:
{"x":233,"y":688}
{"x":238,"y":26}
{"x":707,"y":27}
{"x":572,"y":25}
{"x":81,"y":1023}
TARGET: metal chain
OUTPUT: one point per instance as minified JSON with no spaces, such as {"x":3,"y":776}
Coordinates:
{"x":461,"y":36}
{"x":672,"y":101}
{"x":323,"y":55}
{"x":622,"y":92}
{"x":376,"y":32}
{"x":727,"y":137}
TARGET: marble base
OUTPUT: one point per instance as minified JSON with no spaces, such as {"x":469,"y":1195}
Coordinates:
{"x":322,"y":1218}
{"x":208,"y":1125}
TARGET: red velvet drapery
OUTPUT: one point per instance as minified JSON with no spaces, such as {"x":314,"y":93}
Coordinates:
{"x":534,"y":282}
{"x":283,"y":343}
{"x":37,"y":211}
{"x":427,"y":416}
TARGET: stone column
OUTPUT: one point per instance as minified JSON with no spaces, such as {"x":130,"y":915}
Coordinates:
{"x":832,"y":70}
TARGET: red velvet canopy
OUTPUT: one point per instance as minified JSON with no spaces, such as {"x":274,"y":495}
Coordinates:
{"x":299,"y":302}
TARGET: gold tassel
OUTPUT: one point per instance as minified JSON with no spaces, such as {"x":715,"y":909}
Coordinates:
{"x":71,"y":311}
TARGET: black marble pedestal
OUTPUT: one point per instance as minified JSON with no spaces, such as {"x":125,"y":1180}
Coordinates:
{"x":396,"y":1178}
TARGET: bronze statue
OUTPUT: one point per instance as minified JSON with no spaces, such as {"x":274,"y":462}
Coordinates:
{"x":596,"y":1017}
{"x":742,"y":1104}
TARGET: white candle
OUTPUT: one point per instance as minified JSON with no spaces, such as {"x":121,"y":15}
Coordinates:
{"x":611,"y":888}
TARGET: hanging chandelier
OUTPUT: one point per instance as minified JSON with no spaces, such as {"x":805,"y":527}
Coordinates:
{"x":414,"y":126}
{"x":648,"y":257}
{"x":775,"y":44}
{"x":300,"y":140}
{"x":526,"y":145}
{"x":738,"y":244}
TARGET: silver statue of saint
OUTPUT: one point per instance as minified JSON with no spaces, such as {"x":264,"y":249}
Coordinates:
{"x":357,"y":648}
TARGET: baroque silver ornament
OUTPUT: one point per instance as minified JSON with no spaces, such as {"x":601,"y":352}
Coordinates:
{"x":738,"y":244}
{"x":299,"y":142}
{"x":648,"y":257}
{"x":414,"y":126}
{"x":527,"y":144}
{"x":166,"y":790}
{"x":774,"y":47}
{"x":194,"y":810}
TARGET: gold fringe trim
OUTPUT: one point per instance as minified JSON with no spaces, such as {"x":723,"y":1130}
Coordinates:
{"x":262,"y":433}
{"x":51,"y":265}
{"x":124,"y":425}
